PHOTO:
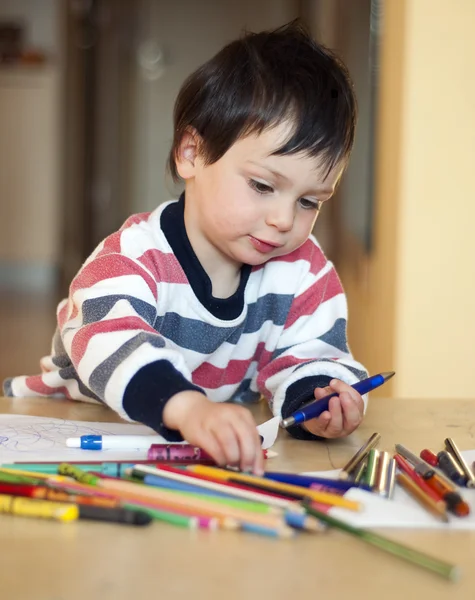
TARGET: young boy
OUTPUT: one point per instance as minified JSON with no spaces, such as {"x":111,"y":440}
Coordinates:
{"x":224,"y":294}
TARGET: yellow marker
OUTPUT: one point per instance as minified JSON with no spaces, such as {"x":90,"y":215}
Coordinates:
{"x":276,"y":486}
{"x":26,"y":507}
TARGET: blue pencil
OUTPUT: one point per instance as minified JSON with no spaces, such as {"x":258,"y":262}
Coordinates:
{"x":171,"y":484}
{"x":307,"y":481}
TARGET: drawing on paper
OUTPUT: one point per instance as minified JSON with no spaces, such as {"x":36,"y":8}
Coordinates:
{"x":45,"y":435}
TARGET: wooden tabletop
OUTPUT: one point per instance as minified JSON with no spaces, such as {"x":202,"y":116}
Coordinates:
{"x":42,"y":560}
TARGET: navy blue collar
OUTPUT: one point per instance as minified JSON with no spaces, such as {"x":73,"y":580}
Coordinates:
{"x":173,"y":226}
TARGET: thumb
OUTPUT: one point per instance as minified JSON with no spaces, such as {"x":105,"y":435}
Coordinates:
{"x":322,"y":392}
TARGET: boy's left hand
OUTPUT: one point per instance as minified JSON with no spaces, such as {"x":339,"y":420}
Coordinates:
{"x":345,"y":411}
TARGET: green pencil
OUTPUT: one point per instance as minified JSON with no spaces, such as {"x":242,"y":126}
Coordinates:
{"x":257,"y":507}
{"x":172,"y":518}
{"x":442,"y":568}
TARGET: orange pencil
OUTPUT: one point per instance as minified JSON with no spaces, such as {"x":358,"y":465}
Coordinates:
{"x":438,"y":509}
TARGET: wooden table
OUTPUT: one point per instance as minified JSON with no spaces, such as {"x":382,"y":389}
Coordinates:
{"x":41,"y":560}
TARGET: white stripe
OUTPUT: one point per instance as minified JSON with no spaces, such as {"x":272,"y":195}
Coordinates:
{"x":315,"y":325}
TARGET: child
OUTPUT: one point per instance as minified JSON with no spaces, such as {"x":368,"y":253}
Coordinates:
{"x":224,"y":294}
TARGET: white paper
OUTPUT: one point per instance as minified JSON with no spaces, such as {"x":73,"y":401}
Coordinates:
{"x":269,"y":431}
{"x":43,"y":439}
{"x":402,"y":511}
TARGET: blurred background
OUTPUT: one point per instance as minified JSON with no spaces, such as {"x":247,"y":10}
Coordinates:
{"x":86,"y":98}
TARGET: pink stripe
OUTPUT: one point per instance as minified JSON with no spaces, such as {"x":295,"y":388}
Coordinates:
{"x":62,"y":315}
{"x":211,"y":377}
{"x":276,"y":366}
{"x":164,"y":266}
{"x":86,"y":333}
{"x":108,"y":267}
{"x":308,"y":252}
{"x":307,"y":303}
{"x":36,"y":384}
{"x":135,"y":219}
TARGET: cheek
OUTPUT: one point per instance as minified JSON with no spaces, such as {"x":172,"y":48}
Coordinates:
{"x":304,"y":224}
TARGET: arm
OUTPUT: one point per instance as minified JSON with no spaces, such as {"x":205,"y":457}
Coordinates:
{"x":109,"y":331}
{"x":107,"y":328}
{"x":312,"y":349}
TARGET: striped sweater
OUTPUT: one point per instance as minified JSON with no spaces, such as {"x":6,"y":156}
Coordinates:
{"x":140,"y":325}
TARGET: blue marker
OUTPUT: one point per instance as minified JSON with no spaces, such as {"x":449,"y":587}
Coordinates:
{"x":114,"y":442}
{"x":314,"y":409}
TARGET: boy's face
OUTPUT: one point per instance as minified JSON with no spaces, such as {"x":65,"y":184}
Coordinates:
{"x":250,"y":205}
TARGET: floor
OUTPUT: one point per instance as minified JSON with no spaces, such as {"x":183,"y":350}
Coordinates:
{"x":27,"y":324}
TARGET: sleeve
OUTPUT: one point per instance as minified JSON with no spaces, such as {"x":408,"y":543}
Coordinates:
{"x":312,"y":348}
{"x":108,"y":330}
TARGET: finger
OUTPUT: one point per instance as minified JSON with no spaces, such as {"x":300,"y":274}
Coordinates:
{"x":319,"y":425}
{"x":335,"y":427}
{"x":249,"y":443}
{"x":350,"y":411}
{"x":322,"y":392}
{"x":227,"y":439}
{"x":336,"y":385}
{"x":211,"y":445}
{"x":257,"y":465}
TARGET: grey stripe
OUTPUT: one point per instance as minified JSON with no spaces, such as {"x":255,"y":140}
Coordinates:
{"x":69,"y":373}
{"x":102,"y":373}
{"x":7,"y":387}
{"x":336,"y":336}
{"x":95,"y":309}
{"x":204,"y":338}
{"x":60,"y":358}
{"x":244,"y":394}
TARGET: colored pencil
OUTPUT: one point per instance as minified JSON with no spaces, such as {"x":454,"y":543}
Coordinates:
{"x":45,"y":493}
{"x":307,"y":481}
{"x":436,"y":508}
{"x":261,"y":496}
{"x":322,"y":497}
{"x":244,"y":494}
{"x":131,"y":491}
{"x":442,"y":568}
{"x":177,"y":519}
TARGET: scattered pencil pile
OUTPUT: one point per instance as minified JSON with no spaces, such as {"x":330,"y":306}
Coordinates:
{"x":432,"y":480}
{"x":196,"y":495}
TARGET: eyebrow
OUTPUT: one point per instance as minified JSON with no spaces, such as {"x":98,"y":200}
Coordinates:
{"x":278,"y":175}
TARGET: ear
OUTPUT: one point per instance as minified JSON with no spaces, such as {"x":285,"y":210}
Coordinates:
{"x":187,"y":154}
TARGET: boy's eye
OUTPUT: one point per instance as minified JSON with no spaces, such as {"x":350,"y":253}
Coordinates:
{"x":310,"y":204}
{"x":259,"y":187}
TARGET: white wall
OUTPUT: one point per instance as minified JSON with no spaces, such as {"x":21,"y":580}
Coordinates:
{"x":188,"y":32}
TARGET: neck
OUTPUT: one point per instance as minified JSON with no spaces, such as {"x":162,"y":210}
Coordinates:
{"x":224,"y":273}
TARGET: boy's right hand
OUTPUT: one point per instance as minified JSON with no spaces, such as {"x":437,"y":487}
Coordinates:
{"x":228,"y":432}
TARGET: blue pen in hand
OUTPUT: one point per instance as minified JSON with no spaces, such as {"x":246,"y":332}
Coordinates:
{"x":314,"y":409}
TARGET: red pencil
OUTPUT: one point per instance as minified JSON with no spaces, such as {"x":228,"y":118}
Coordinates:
{"x":406,"y":467}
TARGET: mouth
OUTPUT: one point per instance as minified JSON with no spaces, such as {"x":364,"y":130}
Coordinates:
{"x":263,"y":246}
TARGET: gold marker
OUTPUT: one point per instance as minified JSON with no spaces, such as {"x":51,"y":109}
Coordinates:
{"x":452,"y":448}
{"x":26,"y":507}
{"x":382,"y":473}
{"x":391,"y":478}
{"x":355,"y":460}
{"x":370,"y":474}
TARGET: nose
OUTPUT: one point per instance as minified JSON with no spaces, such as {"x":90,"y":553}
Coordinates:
{"x":281,"y":216}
